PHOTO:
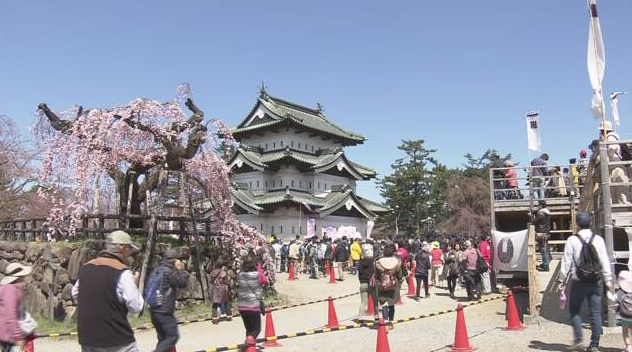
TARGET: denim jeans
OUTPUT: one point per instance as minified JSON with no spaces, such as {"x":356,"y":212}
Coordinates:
{"x":592,"y":292}
{"x":166,"y":329}
{"x":544,"y":252}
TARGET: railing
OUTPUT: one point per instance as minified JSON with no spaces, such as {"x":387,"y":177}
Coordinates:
{"x":99,"y":225}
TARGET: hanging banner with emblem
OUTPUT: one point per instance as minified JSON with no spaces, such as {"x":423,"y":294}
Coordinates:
{"x":533,"y":130}
{"x":510,"y":250}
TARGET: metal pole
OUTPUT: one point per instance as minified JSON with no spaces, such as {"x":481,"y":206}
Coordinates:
{"x":492,"y":198}
{"x":607,"y":221}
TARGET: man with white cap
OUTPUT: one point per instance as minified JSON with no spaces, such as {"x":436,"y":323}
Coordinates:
{"x":107,"y":293}
{"x":11,"y":307}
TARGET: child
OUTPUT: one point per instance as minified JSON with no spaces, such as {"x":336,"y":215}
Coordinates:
{"x":624,"y":301}
{"x":220,"y":281}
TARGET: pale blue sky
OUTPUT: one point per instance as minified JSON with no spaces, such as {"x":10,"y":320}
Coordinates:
{"x":459,"y":74}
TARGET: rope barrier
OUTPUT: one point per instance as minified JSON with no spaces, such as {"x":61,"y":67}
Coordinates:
{"x":189,"y":320}
{"x":347,"y":327}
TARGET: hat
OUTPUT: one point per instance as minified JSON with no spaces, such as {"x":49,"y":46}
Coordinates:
{"x":367,"y":251}
{"x":583,"y":220}
{"x":13,"y":272}
{"x":172,"y":253}
{"x":606,"y":126}
{"x":583,"y":153}
{"x":435,"y":244}
{"x":625,"y":281}
{"x":122,"y":237}
{"x":510,"y":163}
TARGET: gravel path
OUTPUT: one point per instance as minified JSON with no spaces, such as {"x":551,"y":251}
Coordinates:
{"x":430,"y":334}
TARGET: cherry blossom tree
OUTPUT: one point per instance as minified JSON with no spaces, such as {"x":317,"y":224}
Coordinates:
{"x":127,"y":147}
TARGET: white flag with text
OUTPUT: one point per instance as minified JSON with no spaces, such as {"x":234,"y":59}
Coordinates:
{"x":596,"y":61}
{"x":533,"y":130}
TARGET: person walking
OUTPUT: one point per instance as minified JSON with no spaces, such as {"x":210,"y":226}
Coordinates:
{"x":422,"y":267}
{"x":389,"y":274}
{"x":485,"y":251}
{"x":12,"y":307}
{"x":580,"y":251}
{"x":542,"y":223}
{"x":451,"y":269}
{"x":341,"y":256}
{"x":366,"y":269}
{"x":294,"y":255}
{"x":249,"y":294}
{"x":105,"y":292}
{"x":356,"y":255}
{"x":169,"y":277}
{"x":471,"y":276}
{"x":219,"y":281}
{"x":459,"y":253}
{"x":539,"y":174}
{"x":436,"y":257}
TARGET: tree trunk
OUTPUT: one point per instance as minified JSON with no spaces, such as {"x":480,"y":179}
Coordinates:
{"x":123,"y":187}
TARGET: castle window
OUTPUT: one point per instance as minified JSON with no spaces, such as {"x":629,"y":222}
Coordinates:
{"x":266,"y":184}
{"x":266,"y":146}
{"x":299,"y":145}
{"x":312,"y":148}
{"x":250,"y":183}
{"x":281,"y":143}
{"x":305,"y":146}
{"x":325,"y":186}
{"x":300,"y":184}
{"x":257,"y":184}
{"x":292,"y":183}
{"x":281,"y":229}
{"x":273,"y":184}
{"x":273,"y":144}
{"x":261,"y":227}
{"x":292,"y":230}
{"x":318,"y":185}
{"x":281,"y":183}
{"x":291,"y":143}
{"x":272,"y":228}
{"x":310,"y":185}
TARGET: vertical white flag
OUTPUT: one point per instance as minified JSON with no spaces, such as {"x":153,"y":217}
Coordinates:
{"x":533,"y":130}
{"x":596,"y":62}
{"x":614,"y":105}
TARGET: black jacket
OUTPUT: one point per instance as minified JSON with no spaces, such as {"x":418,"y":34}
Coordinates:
{"x":365,"y":270}
{"x":342,"y":252}
{"x":173,"y":279}
{"x":542,"y":222}
{"x":422,"y":263}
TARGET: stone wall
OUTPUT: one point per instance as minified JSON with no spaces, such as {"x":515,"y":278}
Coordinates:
{"x":56,"y":267}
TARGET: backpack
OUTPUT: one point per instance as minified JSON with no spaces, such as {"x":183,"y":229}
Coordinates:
{"x":589,"y":267}
{"x":625,"y":304}
{"x":320,"y":253}
{"x":153,"y":296}
{"x":388,"y":280}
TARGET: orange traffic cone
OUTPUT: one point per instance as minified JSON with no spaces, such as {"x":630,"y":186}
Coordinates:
{"x":382,"y":338}
{"x":332,"y":319}
{"x":332,"y":276}
{"x":327,"y":268}
{"x":513,"y":319}
{"x":461,"y":340}
{"x":370,"y":307}
{"x":411,"y":286}
{"x":399,"y":299}
{"x":291,"y":276}
{"x":251,"y":344}
{"x":270,"y":331}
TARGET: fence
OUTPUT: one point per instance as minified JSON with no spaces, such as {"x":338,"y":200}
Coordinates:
{"x":98,"y":225}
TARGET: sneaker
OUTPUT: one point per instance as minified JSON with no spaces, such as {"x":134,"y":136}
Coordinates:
{"x":577,"y":346}
{"x":215,"y":321}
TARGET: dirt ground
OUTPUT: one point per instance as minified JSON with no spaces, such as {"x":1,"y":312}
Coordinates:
{"x":484,"y":323}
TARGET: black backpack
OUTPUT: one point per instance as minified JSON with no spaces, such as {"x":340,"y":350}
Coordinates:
{"x":589,"y":268}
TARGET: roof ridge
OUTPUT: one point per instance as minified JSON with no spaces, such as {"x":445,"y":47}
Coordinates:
{"x":294,"y":105}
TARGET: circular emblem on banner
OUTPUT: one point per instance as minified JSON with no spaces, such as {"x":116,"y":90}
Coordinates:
{"x":505,"y":250}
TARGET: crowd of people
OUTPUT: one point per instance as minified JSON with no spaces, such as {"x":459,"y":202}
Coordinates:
{"x":382,"y":266}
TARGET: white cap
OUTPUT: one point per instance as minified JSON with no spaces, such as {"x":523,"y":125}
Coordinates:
{"x":122,"y":237}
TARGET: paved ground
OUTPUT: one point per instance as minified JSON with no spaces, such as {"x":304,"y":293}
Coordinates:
{"x":431,"y":334}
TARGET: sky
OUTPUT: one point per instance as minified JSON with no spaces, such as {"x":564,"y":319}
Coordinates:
{"x":458,"y":74}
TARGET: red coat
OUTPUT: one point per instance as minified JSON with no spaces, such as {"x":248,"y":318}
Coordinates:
{"x":485,"y":248}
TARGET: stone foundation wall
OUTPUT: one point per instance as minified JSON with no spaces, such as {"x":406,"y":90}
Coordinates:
{"x":56,"y":267}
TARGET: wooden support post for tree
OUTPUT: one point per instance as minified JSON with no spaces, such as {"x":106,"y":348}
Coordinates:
{"x":101,"y":226}
{"x":149,"y":253}
{"x":196,"y":238}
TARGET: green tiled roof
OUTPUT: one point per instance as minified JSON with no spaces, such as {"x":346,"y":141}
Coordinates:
{"x":311,"y":119}
{"x":324,"y":160}
{"x":373,"y":206}
{"x":326,"y":204}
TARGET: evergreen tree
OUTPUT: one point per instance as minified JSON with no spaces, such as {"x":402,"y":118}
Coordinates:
{"x":415,"y":190}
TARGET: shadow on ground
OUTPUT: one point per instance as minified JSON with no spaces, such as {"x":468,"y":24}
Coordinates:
{"x":544,"y":346}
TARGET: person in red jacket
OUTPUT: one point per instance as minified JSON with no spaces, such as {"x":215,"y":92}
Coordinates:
{"x":485,"y":251}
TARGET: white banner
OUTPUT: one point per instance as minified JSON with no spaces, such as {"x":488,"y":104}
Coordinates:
{"x":369,"y":229}
{"x":311,"y":228}
{"x":330,"y":232}
{"x":533,"y":130}
{"x":614,"y":105}
{"x":596,"y":61}
{"x":510,"y":250}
